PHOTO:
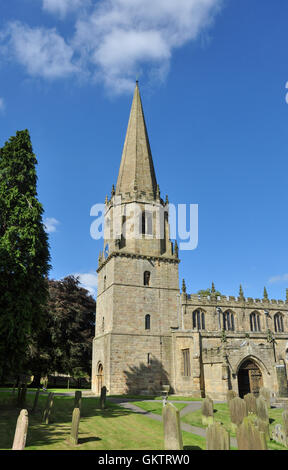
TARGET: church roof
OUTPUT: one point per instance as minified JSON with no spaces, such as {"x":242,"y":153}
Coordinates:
{"x":136,"y":171}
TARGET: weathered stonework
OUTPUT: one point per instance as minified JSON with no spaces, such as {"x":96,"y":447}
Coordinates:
{"x":147,"y":333}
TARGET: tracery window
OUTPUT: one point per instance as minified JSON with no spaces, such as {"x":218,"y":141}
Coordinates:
{"x":278,"y":323}
{"x":198,"y":319}
{"x":255,"y":324}
{"x":228,"y":321}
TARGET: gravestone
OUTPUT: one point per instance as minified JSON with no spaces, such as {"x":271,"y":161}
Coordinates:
{"x":278,"y":435}
{"x":265,"y":393}
{"x":21,"y":431}
{"x":103,"y":397}
{"x":282,"y":380}
{"x":35,"y":401}
{"x":172,"y":430}
{"x":249,"y":437}
{"x":217,"y":438}
{"x":262,"y":415}
{"x":238,"y":411}
{"x":285,"y":422}
{"x":207,"y":411}
{"x":78,"y":399}
{"x":250,"y":401}
{"x":48,"y":408}
{"x":75,"y":426}
{"x":22,"y":397}
{"x":230,"y":395}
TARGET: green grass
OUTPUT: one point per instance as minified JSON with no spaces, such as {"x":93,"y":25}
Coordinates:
{"x":156,"y":407}
{"x":115,"y":428}
{"x":221,"y":414}
{"x":153,"y":397}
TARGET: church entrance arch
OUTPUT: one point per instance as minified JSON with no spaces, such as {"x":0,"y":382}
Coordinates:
{"x":100,"y":377}
{"x":250,"y":378}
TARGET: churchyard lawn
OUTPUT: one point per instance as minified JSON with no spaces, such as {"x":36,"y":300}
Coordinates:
{"x":114,"y":428}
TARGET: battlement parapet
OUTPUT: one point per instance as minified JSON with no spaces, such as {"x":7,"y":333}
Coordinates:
{"x":231,"y":300}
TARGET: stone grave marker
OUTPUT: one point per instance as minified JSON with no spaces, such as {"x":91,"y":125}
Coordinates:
{"x":21,"y":431}
{"x":238,"y":411}
{"x":262,"y":416}
{"x":103,"y":397}
{"x":230,"y":395}
{"x":35,"y":400}
{"x":75,"y":426}
{"x":207,"y":411}
{"x":265,"y":393}
{"x":78,"y":399}
{"x":250,"y":401}
{"x":48,"y":408}
{"x":217,"y":438}
{"x":172,"y":429}
{"x":249,"y":437}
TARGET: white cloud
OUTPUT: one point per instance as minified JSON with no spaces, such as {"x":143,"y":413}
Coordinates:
{"x":279,"y":278}
{"x":43,"y":52}
{"x":88,"y":281}
{"x":122,"y":37}
{"x":51,"y":224}
{"x":113,"y":42}
{"x":2,"y":104}
{"x":62,"y":7}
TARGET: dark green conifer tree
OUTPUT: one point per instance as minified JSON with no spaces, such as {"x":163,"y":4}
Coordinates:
{"x":24,"y":253}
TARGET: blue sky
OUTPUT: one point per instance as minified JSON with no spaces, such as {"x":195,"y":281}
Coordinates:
{"x":212,"y":77}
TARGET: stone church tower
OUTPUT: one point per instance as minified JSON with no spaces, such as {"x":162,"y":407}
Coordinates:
{"x":147,"y":333}
{"x":138,"y":286}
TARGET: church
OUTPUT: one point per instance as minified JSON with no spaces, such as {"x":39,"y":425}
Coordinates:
{"x":149,"y":333}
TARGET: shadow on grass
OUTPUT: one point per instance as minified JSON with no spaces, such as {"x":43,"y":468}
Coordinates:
{"x":59,"y":427}
{"x":191,"y":448}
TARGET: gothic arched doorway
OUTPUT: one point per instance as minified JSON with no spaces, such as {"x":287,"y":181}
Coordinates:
{"x":99,"y":378}
{"x":250,"y":378}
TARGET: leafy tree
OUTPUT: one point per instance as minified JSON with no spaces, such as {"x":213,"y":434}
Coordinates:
{"x":66,"y":344}
{"x":24,"y":252}
{"x":209,"y":291}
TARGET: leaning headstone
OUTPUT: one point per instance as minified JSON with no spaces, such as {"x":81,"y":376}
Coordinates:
{"x":22,"y":397}
{"x":217,"y":438}
{"x":172,"y":429}
{"x":48,"y":408}
{"x":78,"y":399}
{"x":250,"y":401}
{"x":238,"y":411}
{"x":207,"y":411}
{"x":278,"y":435}
{"x":103,"y":397}
{"x":262,"y":415}
{"x":265,"y":393}
{"x":249,"y":437}
{"x":35,"y":401}
{"x":75,"y":426}
{"x":230,"y":395}
{"x":21,"y":431}
{"x":285,"y":422}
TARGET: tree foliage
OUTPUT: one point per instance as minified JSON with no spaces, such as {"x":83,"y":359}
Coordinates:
{"x":65,"y":346}
{"x":24,"y":252}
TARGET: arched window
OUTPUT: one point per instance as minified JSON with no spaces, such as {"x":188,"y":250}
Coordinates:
{"x":198,"y":319}
{"x":146,"y":223}
{"x":278,"y":323}
{"x":147,"y":322}
{"x":104,"y":283}
{"x":146,"y":279}
{"x":255,"y":321}
{"x":228,"y":321}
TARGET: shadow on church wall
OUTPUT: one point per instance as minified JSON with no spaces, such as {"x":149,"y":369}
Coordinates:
{"x":146,"y":379}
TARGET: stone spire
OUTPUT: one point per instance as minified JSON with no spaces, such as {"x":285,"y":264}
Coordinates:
{"x":136,"y":169}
